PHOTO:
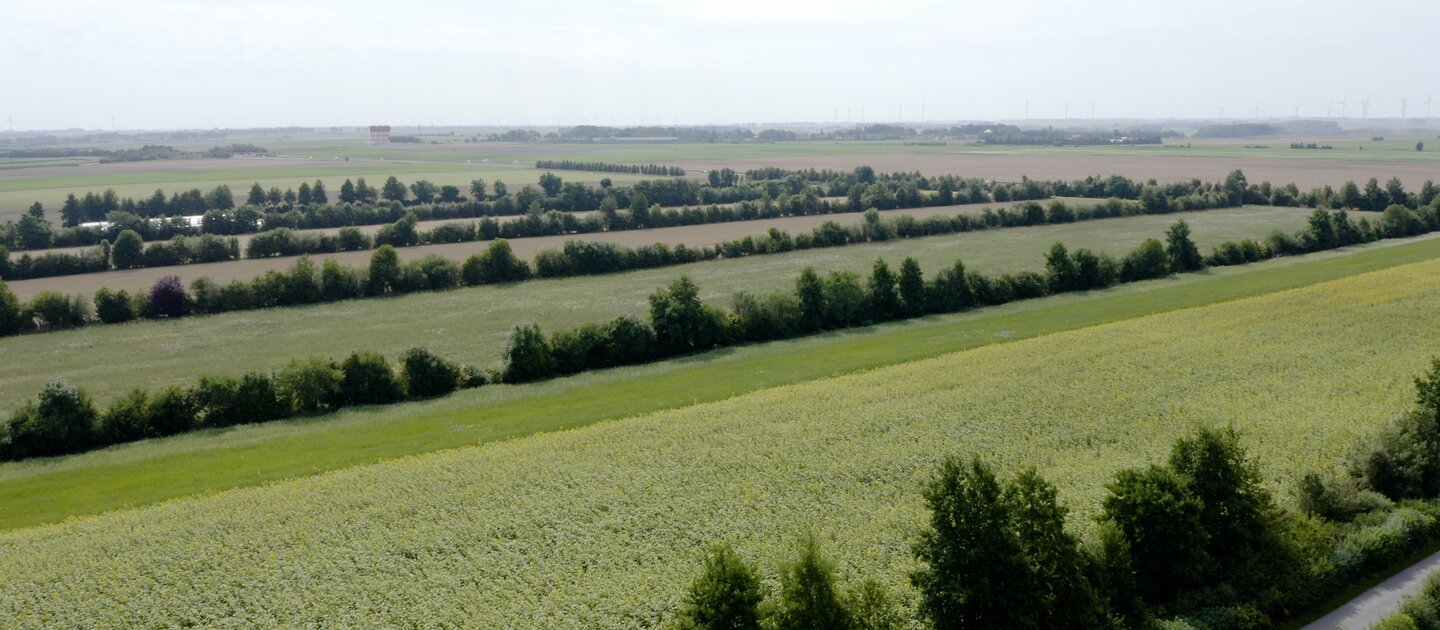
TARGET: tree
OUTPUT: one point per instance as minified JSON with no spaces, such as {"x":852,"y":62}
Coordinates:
{"x":10,"y":312}
{"x":884,"y":302}
{"x":810,"y":290}
{"x":808,"y":598}
{"x":71,"y":214}
{"x":1064,"y":595}
{"x":1350,"y":197}
{"x":56,"y":311}
{"x":726,"y":595}
{"x":1420,"y":145}
{"x":33,"y":232}
{"x":550,"y":183}
{"x":1064,"y":273}
{"x":1184,"y":255}
{"x":63,"y":421}
{"x":171,"y":411}
{"x":528,"y":356}
{"x":128,"y":251}
{"x":1427,"y":386}
{"x":974,"y":573}
{"x":317,"y":193}
{"x":347,"y":192}
{"x":844,"y":299}
{"x":303,"y":196}
{"x":168,"y":297}
{"x":497,"y":264}
{"x":477,"y":189}
{"x":365,"y":193}
{"x":1161,"y":520}
{"x":500,"y":189}
{"x":424,"y":190}
{"x":1395,"y":192}
{"x":427,"y":375}
{"x":384,"y":271}
{"x":393,"y":190}
{"x":682,"y":323}
{"x":312,"y":385}
{"x":1322,"y":230}
{"x":1149,"y":260}
{"x":113,"y":308}
{"x":912,"y":288}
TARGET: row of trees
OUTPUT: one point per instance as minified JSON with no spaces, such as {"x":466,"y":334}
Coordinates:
{"x":1197,"y":541}
{"x":65,"y":420}
{"x":611,"y":167}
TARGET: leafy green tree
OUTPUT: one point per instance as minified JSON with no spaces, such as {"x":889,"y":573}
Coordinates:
{"x":384,"y":271}
{"x":871,"y":608}
{"x":1162,"y":523}
{"x":500,"y":189}
{"x":528,"y":356}
{"x":477,"y":189}
{"x":10,"y":312}
{"x":303,"y":195}
{"x":347,"y":191}
{"x":368,"y":379}
{"x":808,"y":597}
{"x":318,"y":194}
{"x":1184,"y":255}
{"x":844,"y":299}
{"x":33,"y":232}
{"x":810,"y":290}
{"x":950,"y":291}
{"x":393,"y":190}
{"x":427,"y":375}
{"x":54,"y":310}
{"x":424,"y":190}
{"x":1149,"y":260}
{"x":681,"y":321}
{"x":884,"y":302}
{"x":726,"y":596}
{"x":1427,"y":386}
{"x":912,"y":288}
{"x":550,"y":183}
{"x":1064,"y":274}
{"x":1322,"y":230}
{"x":127,"y":419}
{"x":128,"y":250}
{"x":113,"y":308}
{"x":974,"y":573}
{"x":171,"y":411}
{"x":1395,"y":193}
{"x":497,"y":264}
{"x":63,"y":421}
{"x":312,"y":384}
{"x":1350,"y":197}
{"x":365,"y":193}
{"x":1063,"y":592}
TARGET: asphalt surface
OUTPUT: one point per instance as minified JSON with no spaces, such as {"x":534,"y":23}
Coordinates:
{"x":1375,"y":604}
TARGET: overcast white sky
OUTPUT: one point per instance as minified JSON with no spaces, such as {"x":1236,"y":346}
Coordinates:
{"x":170,"y":64}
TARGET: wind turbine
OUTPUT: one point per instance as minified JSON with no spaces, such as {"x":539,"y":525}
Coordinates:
{"x":1404,"y":104}
{"x":1428,"y":102}
{"x":1343,"y":103}
{"x":1365,"y":108}
{"x":1222,"y":111}
{"x":1297,"y":110}
{"x":1329,"y":106}
{"x":1257,"y":110}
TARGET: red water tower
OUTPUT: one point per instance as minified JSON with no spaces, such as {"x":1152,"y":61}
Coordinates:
{"x":379,"y":134}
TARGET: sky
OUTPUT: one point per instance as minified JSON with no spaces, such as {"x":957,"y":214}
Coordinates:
{"x":167,"y":64}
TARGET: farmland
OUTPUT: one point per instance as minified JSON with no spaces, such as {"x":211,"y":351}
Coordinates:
{"x":472,"y":324}
{"x":602,"y":523}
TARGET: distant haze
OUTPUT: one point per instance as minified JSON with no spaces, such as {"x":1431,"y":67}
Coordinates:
{"x":170,"y":64}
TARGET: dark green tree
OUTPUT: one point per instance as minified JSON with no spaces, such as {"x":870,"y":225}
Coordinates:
{"x":726,"y":595}
{"x":1162,"y":523}
{"x":975,"y":574}
{"x":883,"y":301}
{"x":384,"y":271}
{"x":527,"y":355}
{"x":347,"y":191}
{"x":1149,"y":260}
{"x":1064,"y":274}
{"x":681,"y":321}
{"x":368,"y":379}
{"x":912,"y":288}
{"x":318,"y":194}
{"x":550,"y":183}
{"x":477,"y":189}
{"x":128,"y":251}
{"x":810,"y":290}
{"x":1184,"y":255}
{"x":63,"y":421}
{"x":427,"y":375}
{"x":808,"y":597}
{"x":312,"y":384}
{"x":10,"y":311}
{"x":393,"y":190}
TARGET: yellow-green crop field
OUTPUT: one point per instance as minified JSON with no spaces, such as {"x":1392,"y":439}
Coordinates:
{"x":603,"y":526}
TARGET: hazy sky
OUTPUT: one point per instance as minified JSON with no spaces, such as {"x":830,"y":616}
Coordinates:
{"x":168,"y":64}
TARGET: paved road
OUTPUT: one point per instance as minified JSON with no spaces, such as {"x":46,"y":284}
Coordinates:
{"x":1373,"y":605}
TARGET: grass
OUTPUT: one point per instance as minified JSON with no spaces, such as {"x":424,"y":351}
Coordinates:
{"x":143,"y":473}
{"x":602,"y":526}
{"x":472,"y":325}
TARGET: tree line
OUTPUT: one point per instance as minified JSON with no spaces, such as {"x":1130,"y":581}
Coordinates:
{"x":1194,"y":542}
{"x":611,"y":167}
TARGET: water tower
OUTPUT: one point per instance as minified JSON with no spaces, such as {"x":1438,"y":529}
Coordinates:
{"x":379,"y":134}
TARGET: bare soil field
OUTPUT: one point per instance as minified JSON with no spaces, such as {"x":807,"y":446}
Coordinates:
{"x":1009,"y":166}
{"x":695,"y":235}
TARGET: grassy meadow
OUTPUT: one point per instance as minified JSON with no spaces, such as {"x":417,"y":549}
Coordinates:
{"x":472,"y":325}
{"x":601,"y":526}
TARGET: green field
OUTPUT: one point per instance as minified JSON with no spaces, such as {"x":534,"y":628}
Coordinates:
{"x":601,"y":526}
{"x":142,"y":473}
{"x":472,"y":325}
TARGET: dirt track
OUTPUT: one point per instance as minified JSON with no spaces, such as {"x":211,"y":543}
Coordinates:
{"x":1012,"y":166}
{"x":697,"y":235}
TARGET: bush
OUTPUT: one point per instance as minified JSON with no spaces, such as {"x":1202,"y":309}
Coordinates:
{"x":127,"y":419}
{"x":1403,"y":459}
{"x":312,"y":385}
{"x":63,"y":421}
{"x":369,"y":380}
{"x":726,"y":595}
{"x":228,"y":401}
{"x":168,"y":297}
{"x":113,"y":308}
{"x":497,"y":264}
{"x":55,"y":311}
{"x":808,"y":598}
{"x":1369,"y":548}
{"x":426,"y":375}
{"x":11,"y":316}
{"x":682,"y":323}
{"x":527,"y":355}
{"x":1149,"y":260}
{"x":172,"y":411}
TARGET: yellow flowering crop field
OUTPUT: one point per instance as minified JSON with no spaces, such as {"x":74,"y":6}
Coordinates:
{"x":604,"y":526}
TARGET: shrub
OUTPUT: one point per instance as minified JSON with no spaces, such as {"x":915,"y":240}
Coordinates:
{"x":872,"y":609}
{"x":682,"y":323}
{"x":497,"y":264}
{"x":168,"y":297}
{"x":127,"y":252}
{"x":369,"y":380}
{"x":1403,"y":459}
{"x":55,"y":311}
{"x":426,"y":375}
{"x":1369,"y":548}
{"x":726,"y":595}
{"x":1149,"y":260}
{"x":1161,"y":521}
{"x":808,"y":598}
{"x":11,"y":316}
{"x":527,"y":355}
{"x":127,"y":419}
{"x":311,"y":385}
{"x":62,"y":421}
{"x":172,"y":411}
{"x":228,"y":401}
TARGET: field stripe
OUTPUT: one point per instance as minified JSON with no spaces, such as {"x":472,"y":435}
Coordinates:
{"x":146,"y":473}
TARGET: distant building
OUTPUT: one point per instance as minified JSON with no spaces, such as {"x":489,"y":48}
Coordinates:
{"x":379,"y":134}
